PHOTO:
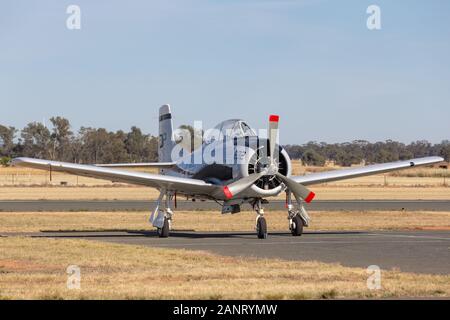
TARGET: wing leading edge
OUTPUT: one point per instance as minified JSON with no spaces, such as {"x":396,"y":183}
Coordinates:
{"x":156,"y":165}
{"x":335,"y":175}
{"x":169,"y":183}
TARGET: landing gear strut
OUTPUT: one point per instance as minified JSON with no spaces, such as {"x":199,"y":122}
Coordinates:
{"x":261,"y":224}
{"x":298,"y":218}
{"x":162,"y":218}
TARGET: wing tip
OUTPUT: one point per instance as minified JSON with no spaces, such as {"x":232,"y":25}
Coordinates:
{"x":18,"y":161}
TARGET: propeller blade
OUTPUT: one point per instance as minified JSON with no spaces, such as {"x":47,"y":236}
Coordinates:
{"x":273,"y":138}
{"x":240,"y":185}
{"x":299,"y":191}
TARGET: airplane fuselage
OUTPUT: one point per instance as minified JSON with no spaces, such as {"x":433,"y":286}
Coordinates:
{"x":224,"y":161}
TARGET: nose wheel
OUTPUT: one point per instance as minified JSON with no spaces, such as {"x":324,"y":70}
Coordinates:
{"x":261,"y":224}
{"x":261,"y":228}
{"x":296,"y":226}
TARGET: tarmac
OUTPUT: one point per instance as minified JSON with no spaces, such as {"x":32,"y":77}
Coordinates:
{"x":147,"y":205}
{"x":411,"y":251}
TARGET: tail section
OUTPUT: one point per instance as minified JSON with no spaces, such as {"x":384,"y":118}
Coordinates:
{"x":166,"y":138}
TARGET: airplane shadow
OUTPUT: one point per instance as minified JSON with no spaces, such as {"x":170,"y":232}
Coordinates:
{"x":188,"y":234}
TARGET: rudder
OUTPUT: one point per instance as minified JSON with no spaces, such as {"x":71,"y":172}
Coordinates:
{"x":166,"y":139}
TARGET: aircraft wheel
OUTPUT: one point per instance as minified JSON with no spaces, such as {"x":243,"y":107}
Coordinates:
{"x":297,"y":226}
{"x":164,"y":231}
{"x":261,"y":228}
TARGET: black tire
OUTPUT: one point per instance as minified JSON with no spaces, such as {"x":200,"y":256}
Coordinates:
{"x":297,"y":226}
{"x":261,"y":228}
{"x":164,"y":231}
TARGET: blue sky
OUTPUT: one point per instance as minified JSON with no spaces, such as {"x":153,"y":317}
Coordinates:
{"x":313,"y":62}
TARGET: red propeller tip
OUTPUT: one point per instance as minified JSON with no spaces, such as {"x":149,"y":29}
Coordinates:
{"x":274,"y":118}
{"x":227,"y":192}
{"x":310,"y":197}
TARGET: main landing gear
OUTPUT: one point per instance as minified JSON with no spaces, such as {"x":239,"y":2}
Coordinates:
{"x":261,"y":224}
{"x":161,"y":218}
{"x":298,"y":218}
{"x":163,"y":232}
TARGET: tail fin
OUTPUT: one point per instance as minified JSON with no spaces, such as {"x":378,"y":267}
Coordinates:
{"x":166,"y":138}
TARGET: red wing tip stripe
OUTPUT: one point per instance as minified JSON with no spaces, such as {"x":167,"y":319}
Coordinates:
{"x":310,"y":197}
{"x":274,"y":118}
{"x":227,"y":192}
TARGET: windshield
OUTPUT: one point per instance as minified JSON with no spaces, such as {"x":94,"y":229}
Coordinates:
{"x":231,"y":128}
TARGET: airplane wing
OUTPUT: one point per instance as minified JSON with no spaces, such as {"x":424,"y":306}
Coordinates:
{"x":169,"y":183}
{"x":158,"y":165}
{"x":328,"y":176}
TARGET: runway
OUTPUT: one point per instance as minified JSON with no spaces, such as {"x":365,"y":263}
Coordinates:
{"x":146,"y":205}
{"x":412,"y":251}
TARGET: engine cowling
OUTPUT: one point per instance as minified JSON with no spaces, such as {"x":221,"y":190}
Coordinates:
{"x":267,"y":185}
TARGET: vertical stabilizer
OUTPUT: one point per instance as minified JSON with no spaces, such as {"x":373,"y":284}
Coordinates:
{"x":166,"y":139}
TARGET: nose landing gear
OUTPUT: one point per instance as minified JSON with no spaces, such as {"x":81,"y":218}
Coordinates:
{"x":297,"y":218}
{"x":261,"y":224}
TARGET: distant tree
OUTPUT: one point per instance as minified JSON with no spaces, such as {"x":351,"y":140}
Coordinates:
{"x":420,"y":148}
{"x":444,"y":150}
{"x":7,"y":135}
{"x":135,"y":144}
{"x":36,"y":140}
{"x":4,"y":161}
{"x":151,"y":149}
{"x":101,"y":146}
{"x":61,"y":138}
{"x":294,"y":151}
{"x":117,"y":147}
{"x":348,"y":154}
{"x":75,"y":152}
{"x":98,"y":145}
{"x":93,"y":144}
{"x":311,"y":157}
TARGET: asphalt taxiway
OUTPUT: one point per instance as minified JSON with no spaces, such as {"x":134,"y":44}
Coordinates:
{"x":411,"y":251}
{"x":146,"y":205}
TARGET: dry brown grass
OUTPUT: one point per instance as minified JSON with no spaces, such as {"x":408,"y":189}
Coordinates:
{"x":327,"y":192}
{"x":382,"y":193}
{"x":214,"y":221}
{"x":391,"y":181}
{"x":422,"y":172}
{"x":78,"y":193}
{"x":36,"y":269}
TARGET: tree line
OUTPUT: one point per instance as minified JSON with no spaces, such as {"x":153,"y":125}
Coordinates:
{"x":88,"y":145}
{"x":361,"y":151}
{"x":98,"y":145}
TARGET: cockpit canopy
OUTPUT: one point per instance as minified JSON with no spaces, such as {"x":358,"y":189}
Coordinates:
{"x":230,"y":128}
